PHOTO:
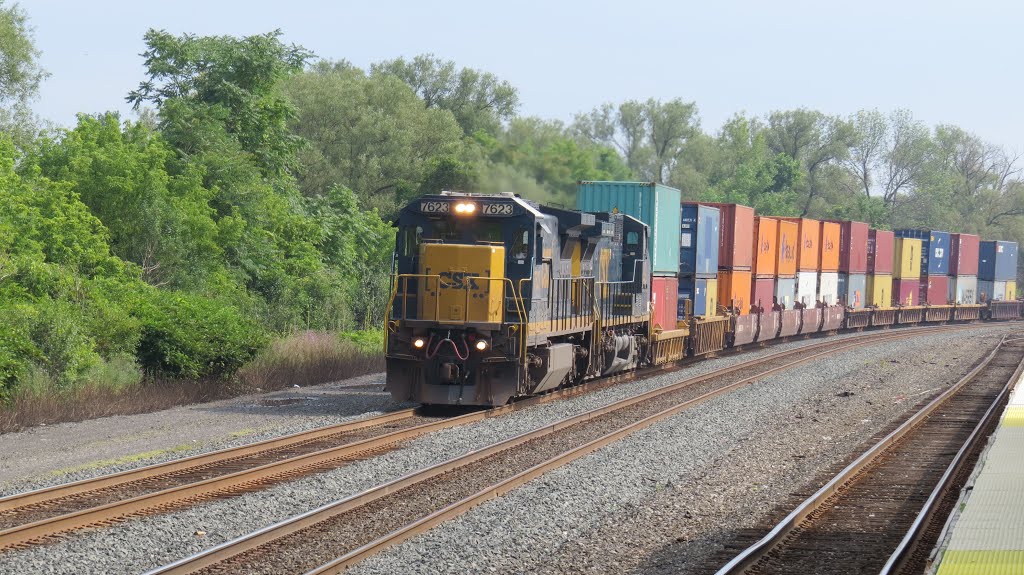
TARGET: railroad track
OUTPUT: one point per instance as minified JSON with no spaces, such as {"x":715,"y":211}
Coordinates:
{"x":883,"y":512}
{"x":333,"y":537}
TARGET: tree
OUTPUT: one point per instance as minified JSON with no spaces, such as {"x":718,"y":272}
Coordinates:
{"x":20,"y":72}
{"x":478,"y":100}
{"x":816,"y":141}
{"x":889,"y":154}
{"x":651,"y":135}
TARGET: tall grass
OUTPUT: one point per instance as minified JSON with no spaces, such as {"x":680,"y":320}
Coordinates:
{"x":118,"y":386}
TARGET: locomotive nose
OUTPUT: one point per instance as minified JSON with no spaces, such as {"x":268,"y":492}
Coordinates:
{"x":469,"y":286}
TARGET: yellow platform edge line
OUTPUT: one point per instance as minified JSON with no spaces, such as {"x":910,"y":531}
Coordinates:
{"x":961,"y":562}
{"x":1014,"y":416}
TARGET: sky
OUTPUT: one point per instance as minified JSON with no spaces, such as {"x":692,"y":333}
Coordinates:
{"x":947,"y":62}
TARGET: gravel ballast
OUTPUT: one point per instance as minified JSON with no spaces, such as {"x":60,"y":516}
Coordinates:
{"x":566,"y":516}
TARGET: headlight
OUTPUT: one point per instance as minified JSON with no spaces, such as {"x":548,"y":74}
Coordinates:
{"x":419,"y":342}
{"x":481,"y":345}
{"x":465,"y":208}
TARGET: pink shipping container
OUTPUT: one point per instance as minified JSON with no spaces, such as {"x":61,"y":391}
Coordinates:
{"x":934,"y":290}
{"x":853,"y":247}
{"x":736,"y":236}
{"x":665,"y":294}
{"x":963,"y":254}
{"x":880,"y":252}
{"x":906,"y":292}
{"x":762,"y":292}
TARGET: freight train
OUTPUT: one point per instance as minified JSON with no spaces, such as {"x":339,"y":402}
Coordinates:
{"x":495,"y":297}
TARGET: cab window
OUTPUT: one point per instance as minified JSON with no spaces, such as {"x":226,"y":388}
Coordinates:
{"x":521,"y":244}
{"x":632,"y":239}
{"x":411,"y":236}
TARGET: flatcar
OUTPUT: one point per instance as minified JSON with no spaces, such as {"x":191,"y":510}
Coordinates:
{"x":495,"y":297}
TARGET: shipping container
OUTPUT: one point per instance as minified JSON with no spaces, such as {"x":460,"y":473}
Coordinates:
{"x":763,"y":293}
{"x":963,"y":254}
{"x":702,"y":293}
{"x":853,"y":247}
{"x":828,"y":288}
{"x":653,"y":204}
{"x":997,"y":261}
{"x":991,"y":291}
{"x":934,"y":250}
{"x":766,"y":238}
{"x":736,"y":241}
{"x":934,"y":289}
{"x":785,"y":292}
{"x":880,"y":251}
{"x":734,"y":291}
{"x":807,"y":249}
{"x":905,"y":292}
{"x":664,"y":298}
{"x":853,"y":290}
{"x":1011,"y":290}
{"x":879,"y":290}
{"x":906,"y":258}
{"x":829,"y":241}
{"x":698,"y":240}
{"x":786,"y":247}
{"x":963,"y":289}
{"x":807,"y":288}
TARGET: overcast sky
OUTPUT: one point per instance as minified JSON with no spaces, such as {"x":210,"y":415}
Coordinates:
{"x":948,"y":62}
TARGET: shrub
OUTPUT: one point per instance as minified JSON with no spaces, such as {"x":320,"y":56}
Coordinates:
{"x":308,"y":358}
{"x":189,"y":336}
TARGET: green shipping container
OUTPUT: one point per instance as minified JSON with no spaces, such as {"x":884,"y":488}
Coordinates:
{"x":653,"y":204}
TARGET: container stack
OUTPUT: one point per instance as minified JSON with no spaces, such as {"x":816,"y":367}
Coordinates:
{"x":699,"y":228}
{"x":785,"y":268}
{"x":828,"y":279}
{"x":765,"y":259}
{"x":853,"y":263}
{"x":963,"y":268}
{"x":735,"y":257}
{"x":878,"y":291}
{"x":906,"y":271}
{"x":808,"y":255}
{"x":934,"y":279}
{"x":657,"y":206}
{"x":997,"y":271}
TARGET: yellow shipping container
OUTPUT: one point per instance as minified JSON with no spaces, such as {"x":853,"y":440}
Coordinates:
{"x":906,"y":259}
{"x":711,"y":299}
{"x":1011,"y":290}
{"x":879,"y":290}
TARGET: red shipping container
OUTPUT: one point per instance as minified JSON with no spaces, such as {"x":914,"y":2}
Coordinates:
{"x":665,"y":295}
{"x":762,"y":294}
{"x":853,"y":247}
{"x":765,"y":239}
{"x":736,"y":236}
{"x":906,"y":292}
{"x":934,"y":290}
{"x":963,"y":254}
{"x":786,"y":249}
{"x":880,"y":244}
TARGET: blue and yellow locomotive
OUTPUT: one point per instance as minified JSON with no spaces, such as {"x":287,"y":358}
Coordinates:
{"x":495,"y":297}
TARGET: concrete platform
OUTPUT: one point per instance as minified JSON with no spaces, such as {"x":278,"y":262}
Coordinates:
{"x":988,"y":536}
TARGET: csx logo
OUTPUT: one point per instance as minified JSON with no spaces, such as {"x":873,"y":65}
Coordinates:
{"x":459,"y":280}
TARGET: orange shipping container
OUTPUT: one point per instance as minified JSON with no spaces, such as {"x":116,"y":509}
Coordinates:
{"x":788,"y":234}
{"x":807,"y":250}
{"x":766,"y":237}
{"x":829,"y":241}
{"x":734,"y":291}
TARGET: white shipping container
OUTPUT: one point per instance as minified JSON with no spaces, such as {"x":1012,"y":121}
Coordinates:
{"x":807,"y":288}
{"x":828,"y":287}
{"x":785,"y":292}
{"x":991,"y":291}
{"x":963,"y":289}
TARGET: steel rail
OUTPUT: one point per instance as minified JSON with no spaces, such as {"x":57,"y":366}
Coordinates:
{"x":298,"y":523}
{"x":752,"y":554}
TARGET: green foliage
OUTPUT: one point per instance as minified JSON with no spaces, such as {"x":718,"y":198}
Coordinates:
{"x":368,"y":340}
{"x":20,"y":73}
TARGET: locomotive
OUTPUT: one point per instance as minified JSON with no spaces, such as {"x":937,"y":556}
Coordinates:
{"x":495,"y":297}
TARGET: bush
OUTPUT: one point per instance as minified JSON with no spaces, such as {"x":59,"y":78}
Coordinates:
{"x":308,"y":358}
{"x":184,"y":335}
{"x":368,"y":340}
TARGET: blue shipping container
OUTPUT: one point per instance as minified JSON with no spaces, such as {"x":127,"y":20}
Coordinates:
{"x":934,"y":250}
{"x":653,"y":204}
{"x":698,"y":240}
{"x":997,"y":261}
{"x":697,"y":291}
